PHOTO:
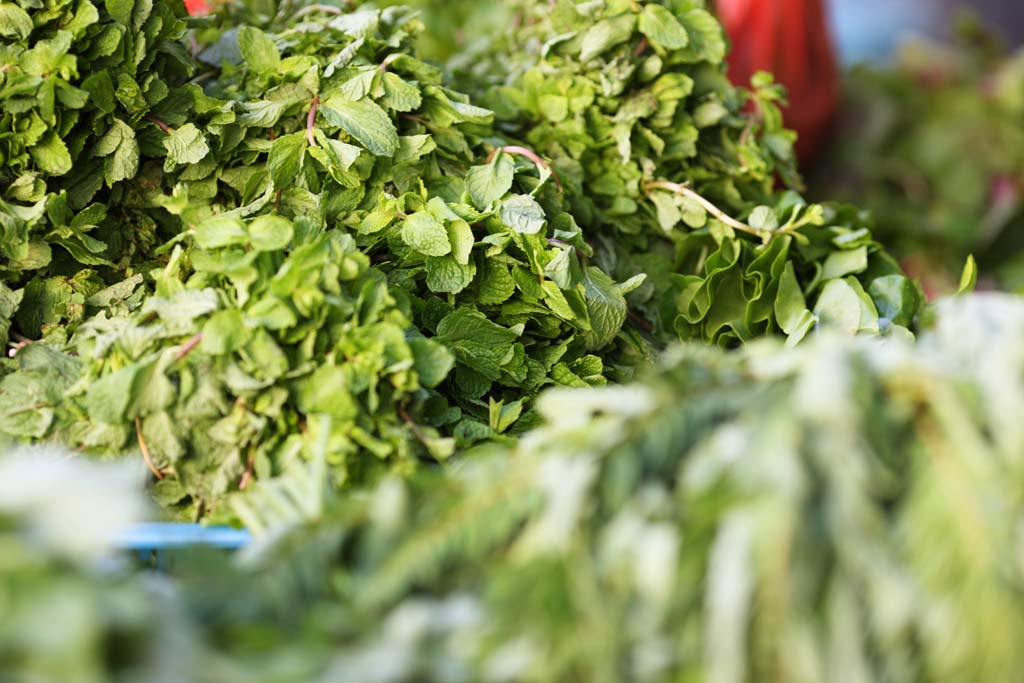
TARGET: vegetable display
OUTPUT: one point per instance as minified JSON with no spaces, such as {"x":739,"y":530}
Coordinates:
{"x":764,"y":515}
{"x":506,"y":331}
{"x":340,"y":233}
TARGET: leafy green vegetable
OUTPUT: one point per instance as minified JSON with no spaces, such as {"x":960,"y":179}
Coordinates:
{"x":82,"y":90}
{"x":320,"y":226}
{"x":630,"y":103}
{"x":859,"y":499}
{"x":933,"y":145}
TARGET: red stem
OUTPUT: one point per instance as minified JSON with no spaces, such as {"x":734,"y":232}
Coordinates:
{"x":529,"y":154}
{"x":163,"y":126}
{"x":311,"y":121}
{"x":187,"y":347}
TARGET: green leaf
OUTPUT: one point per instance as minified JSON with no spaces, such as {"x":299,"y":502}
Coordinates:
{"x":120,"y":10}
{"x":897,"y":298}
{"x":844,"y":305}
{"x":606,"y":306}
{"x":224,"y":333}
{"x":432,"y":361}
{"x":489,"y":183}
{"x":497,"y":285}
{"x":843,"y":263}
{"x":51,"y":155}
{"x":662,"y":28}
{"x":790,"y":307}
{"x":271,"y":233}
{"x":186,"y":145}
{"x":258,"y":50}
{"x":109,"y":396}
{"x":503,"y":415}
{"x":285,"y":159}
{"x":364,"y":121}
{"x":461,"y":237}
{"x":221,"y":231}
{"x":25,"y":412}
{"x":707,"y":40}
{"x":427,"y":235}
{"x":668,"y":212}
{"x":9,"y":302}
{"x":522,"y":214}
{"x":14,"y":22}
{"x":445,"y":274}
{"x":763,"y":218}
{"x":969,"y":276}
{"x":606,"y":34}
{"x":476,"y":341}
{"x":398,"y":94}
{"x":101,"y":91}
{"x":326,"y":392}
{"x":120,"y":151}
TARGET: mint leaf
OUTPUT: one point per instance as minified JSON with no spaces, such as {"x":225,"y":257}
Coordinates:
{"x":270,"y":233}
{"x":489,"y":183}
{"x":427,"y":235}
{"x":220,"y":231}
{"x":121,"y":152}
{"x":432,"y":361}
{"x":605,"y":35}
{"x":446,"y":274}
{"x":186,"y":145}
{"x":662,"y":28}
{"x":258,"y":50}
{"x":224,"y":332}
{"x":522,"y":213}
{"x":364,"y":121}
{"x":606,"y":307}
{"x":51,"y":155}
{"x":14,"y":22}
{"x":285,"y":159}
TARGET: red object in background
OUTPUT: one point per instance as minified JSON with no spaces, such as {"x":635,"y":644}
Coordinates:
{"x":196,"y":7}
{"x":789,"y":38}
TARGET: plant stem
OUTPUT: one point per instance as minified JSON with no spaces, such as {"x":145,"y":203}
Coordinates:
{"x":412,"y":425}
{"x":160,"y":124}
{"x":529,"y":154}
{"x":708,"y":206}
{"x":388,"y":61}
{"x":145,"y":451}
{"x":310,"y":9}
{"x":311,"y":121}
{"x":187,"y":347}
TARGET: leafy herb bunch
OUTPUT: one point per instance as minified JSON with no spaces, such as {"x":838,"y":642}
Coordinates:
{"x":674,"y":172}
{"x":338,"y":206}
{"x":81,"y":85}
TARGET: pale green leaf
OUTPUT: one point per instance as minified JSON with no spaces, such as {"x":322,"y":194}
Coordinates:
{"x":662,"y":28}
{"x":258,"y":50}
{"x":427,"y":235}
{"x":364,"y":121}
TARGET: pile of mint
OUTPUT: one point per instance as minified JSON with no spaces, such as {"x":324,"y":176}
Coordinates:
{"x":323,"y":246}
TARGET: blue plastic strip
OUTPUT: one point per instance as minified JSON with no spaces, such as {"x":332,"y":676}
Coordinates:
{"x":155,"y":536}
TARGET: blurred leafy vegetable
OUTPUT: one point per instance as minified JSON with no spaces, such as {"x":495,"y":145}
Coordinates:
{"x":933,"y":146}
{"x":768,"y":514}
